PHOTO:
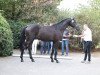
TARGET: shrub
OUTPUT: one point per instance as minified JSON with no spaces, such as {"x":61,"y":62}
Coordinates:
{"x":6,"y":40}
{"x":16,"y":27}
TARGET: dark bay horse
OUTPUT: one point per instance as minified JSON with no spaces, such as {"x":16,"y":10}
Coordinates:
{"x":45,"y":33}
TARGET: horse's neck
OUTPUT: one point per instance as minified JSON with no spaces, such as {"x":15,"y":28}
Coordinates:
{"x":61,"y":26}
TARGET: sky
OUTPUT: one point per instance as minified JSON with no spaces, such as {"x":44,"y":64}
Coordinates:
{"x":72,"y":4}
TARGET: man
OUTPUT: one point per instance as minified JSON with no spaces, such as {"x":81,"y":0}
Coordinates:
{"x":65,"y":41}
{"x":87,"y":37}
{"x":49,"y":46}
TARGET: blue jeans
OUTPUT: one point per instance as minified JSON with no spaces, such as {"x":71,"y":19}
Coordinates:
{"x":43,"y":48}
{"x":48,"y":47}
{"x":65,"y":44}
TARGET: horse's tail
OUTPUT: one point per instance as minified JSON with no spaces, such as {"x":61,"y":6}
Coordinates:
{"x":22,"y":38}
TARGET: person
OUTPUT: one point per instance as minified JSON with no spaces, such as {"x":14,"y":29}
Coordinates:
{"x":34,"y":46}
{"x":65,"y":41}
{"x":87,"y":37}
{"x":44,"y":46}
{"x":49,"y":48}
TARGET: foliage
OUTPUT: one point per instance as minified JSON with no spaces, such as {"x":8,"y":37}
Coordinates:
{"x":40,"y":11}
{"x":90,"y":16}
{"x":6,"y":40}
{"x":63,"y":14}
{"x":16,"y":27}
{"x":87,"y":15}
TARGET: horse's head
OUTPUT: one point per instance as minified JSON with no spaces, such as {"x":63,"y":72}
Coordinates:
{"x":72,"y":23}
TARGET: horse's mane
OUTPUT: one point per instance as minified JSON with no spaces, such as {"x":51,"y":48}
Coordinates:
{"x":59,"y":24}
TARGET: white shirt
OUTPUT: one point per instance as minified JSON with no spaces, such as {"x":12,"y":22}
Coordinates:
{"x":87,"y":35}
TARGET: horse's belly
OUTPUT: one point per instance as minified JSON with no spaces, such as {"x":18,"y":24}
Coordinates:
{"x":45,"y":36}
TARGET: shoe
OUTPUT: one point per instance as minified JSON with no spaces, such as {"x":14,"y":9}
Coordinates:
{"x":82,"y":52}
{"x":83,"y":61}
{"x":88,"y":62}
{"x":62,"y":54}
{"x":66,"y":54}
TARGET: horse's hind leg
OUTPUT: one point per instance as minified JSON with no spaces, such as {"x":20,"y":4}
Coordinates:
{"x":21,"y":56}
{"x":30,"y":52}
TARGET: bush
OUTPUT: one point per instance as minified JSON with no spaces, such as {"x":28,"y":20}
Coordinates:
{"x":6,"y":40}
{"x":16,"y":27}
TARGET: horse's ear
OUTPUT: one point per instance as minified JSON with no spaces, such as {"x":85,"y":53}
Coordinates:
{"x":72,"y":19}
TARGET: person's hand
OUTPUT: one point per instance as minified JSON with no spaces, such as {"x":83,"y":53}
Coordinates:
{"x":70,"y":35}
{"x":75,"y":35}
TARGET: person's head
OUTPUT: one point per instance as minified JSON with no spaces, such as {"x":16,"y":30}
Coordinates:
{"x":85,"y":26}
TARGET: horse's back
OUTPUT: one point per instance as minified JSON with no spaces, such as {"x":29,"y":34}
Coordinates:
{"x":32,"y":30}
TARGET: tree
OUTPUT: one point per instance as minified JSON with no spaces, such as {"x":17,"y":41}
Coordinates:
{"x":91,"y":16}
{"x":30,"y":10}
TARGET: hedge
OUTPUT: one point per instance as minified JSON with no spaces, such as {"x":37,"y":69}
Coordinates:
{"x":6,"y":39}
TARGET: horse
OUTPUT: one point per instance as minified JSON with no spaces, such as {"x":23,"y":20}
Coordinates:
{"x":52,"y":33}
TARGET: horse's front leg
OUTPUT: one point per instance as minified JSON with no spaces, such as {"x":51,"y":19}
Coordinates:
{"x":55,"y":55}
{"x":55,"y":51}
{"x":52,"y":55}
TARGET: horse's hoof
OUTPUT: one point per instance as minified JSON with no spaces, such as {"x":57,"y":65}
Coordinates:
{"x":33,"y":60}
{"x":22,"y":61}
{"x":57,"y":61}
{"x":52,"y":60}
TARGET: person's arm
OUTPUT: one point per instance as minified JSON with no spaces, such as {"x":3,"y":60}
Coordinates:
{"x":82,"y":35}
{"x":67,"y":36}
